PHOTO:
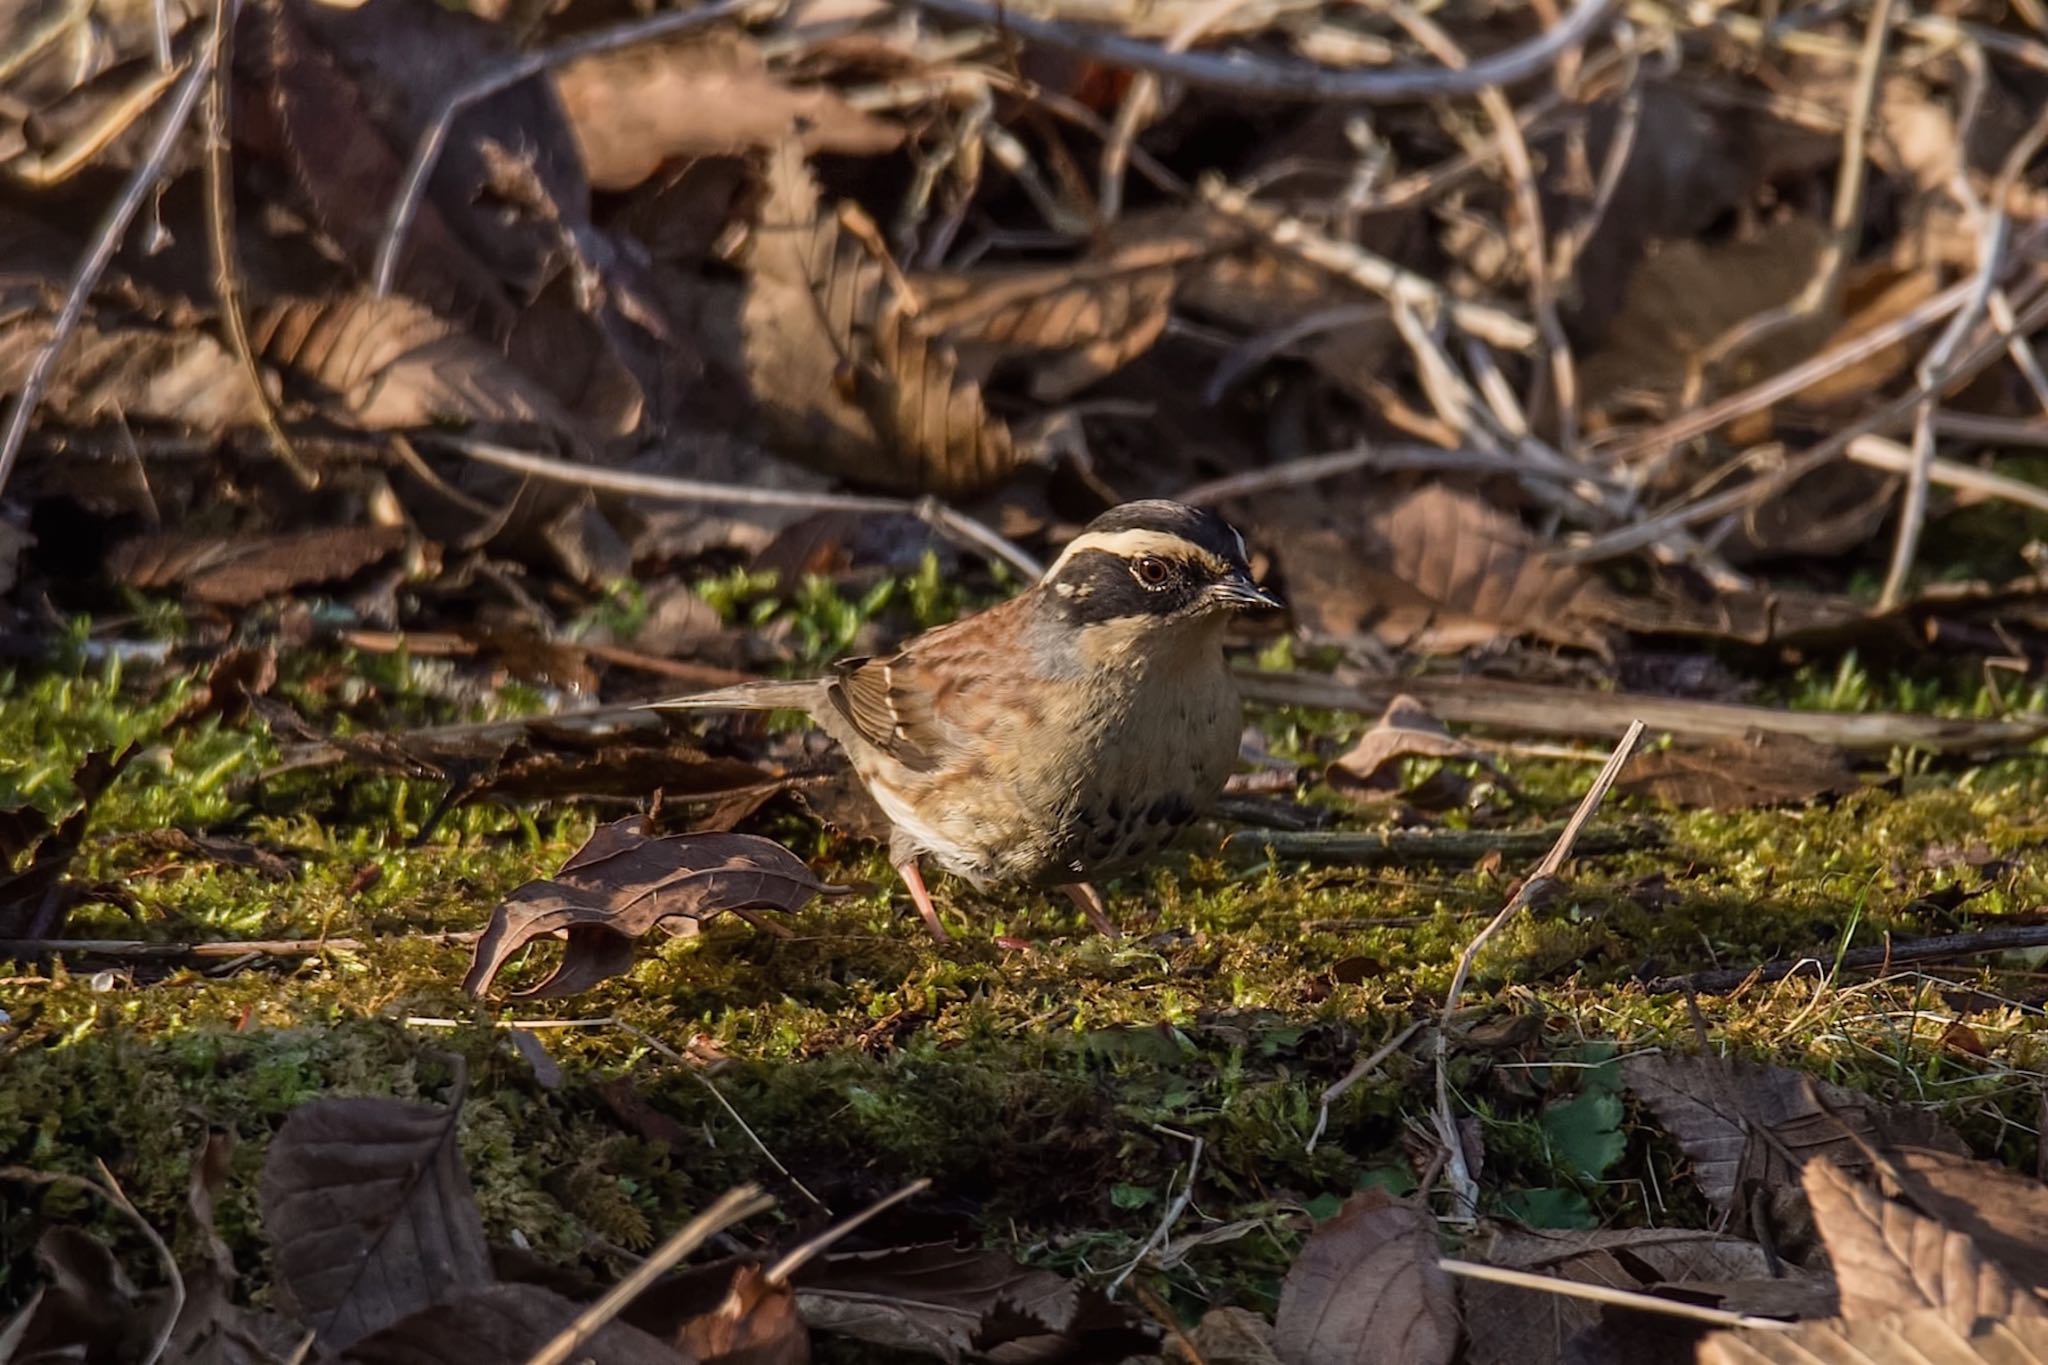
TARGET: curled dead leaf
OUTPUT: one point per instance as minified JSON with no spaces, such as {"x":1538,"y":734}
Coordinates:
{"x":1405,"y":729}
{"x":620,"y":885}
{"x":845,"y":379}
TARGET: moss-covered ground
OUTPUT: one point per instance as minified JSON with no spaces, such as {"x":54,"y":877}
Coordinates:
{"x":1050,"y":1090}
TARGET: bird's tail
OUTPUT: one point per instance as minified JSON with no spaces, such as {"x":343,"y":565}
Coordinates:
{"x":750,"y":696}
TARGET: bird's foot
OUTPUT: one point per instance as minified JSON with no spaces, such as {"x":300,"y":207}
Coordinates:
{"x":1089,"y":901}
{"x":914,"y":880}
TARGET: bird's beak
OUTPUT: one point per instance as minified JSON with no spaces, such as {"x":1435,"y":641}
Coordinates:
{"x":1238,"y":590}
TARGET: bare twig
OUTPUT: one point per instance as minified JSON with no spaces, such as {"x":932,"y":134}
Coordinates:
{"x":1374,"y":274}
{"x":107,"y":238}
{"x":1765,"y":392}
{"x":1174,"y":1209}
{"x":1825,"y":961}
{"x":795,"y":1259}
{"x":730,"y":1208}
{"x":141,"y":950}
{"x":1141,"y":101}
{"x":1621,"y":1298}
{"x":220,"y":239}
{"x":1310,"y":469}
{"x":1881,"y":418}
{"x":1242,"y":74}
{"x":962,"y":529}
{"x":696,"y":1074}
{"x":1880,"y":453}
{"x":1848,"y":212}
{"x":427,"y":151}
{"x":1537,"y":708}
{"x":1528,"y":230}
{"x":1355,"y":848}
{"x":110,"y":1191}
{"x":1991,"y":253}
{"x":1464,"y":1189}
{"x":1360,"y":1069}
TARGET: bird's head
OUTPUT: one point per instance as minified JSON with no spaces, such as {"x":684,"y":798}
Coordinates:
{"x":1153,"y":565}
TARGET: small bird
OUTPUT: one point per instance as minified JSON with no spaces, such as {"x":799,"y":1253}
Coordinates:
{"x":1064,"y":735}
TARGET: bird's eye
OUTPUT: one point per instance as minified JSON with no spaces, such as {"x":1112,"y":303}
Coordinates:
{"x":1151,"y":571}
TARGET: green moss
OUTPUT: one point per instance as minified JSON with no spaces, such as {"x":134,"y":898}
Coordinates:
{"x":1049,"y":1091}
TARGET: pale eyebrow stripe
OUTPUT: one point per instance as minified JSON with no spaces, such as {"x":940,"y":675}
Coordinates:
{"x":1132,"y":543}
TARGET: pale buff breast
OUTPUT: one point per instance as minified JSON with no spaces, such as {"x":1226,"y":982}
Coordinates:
{"x":1082,"y":781}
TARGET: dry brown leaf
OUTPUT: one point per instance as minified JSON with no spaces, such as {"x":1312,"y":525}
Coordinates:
{"x":1085,"y":320}
{"x":115,"y":371}
{"x":1441,"y":571}
{"x":390,"y":363}
{"x":845,"y":380}
{"x":1366,"y":1287}
{"x":1685,"y":294}
{"x":634,"y":109}
{"x":2002,"y":1211}
{"x":370,"y":1215}
{"x":1924,"y":1338}
{"x":1746,"y":1126}
{"x":1745,"y":774}
{"x":758,"y":1324}
{"x":1889,"y":1259}
{"x":314,"y":111}
{"x":1405,"y":729}
{"x":239,"y":572}
{"x":622,"y":884}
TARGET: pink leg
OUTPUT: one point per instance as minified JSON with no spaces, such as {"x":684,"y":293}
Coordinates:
{"x":1089,"y":900}
{"x":914,"y":880}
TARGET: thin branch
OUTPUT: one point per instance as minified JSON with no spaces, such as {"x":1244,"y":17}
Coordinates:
{"x":1620,"y":1298}
{"x":697,"y":1075}
{"x":220,"y":239}
{"x":1991,"y":252}
{"x":1658,"y":441}
{"x":1848,"y":210}
{"x":427,"y":151}
{"x":730,"y":1208}
{"x":1174,"y":1209}
{"x":1824,"y":962}
{"x":1538,"y":708}
{"x":794,"y":1260}
{"x":1881,"y":418}
{"x":1465,"y":1189}
{"x":1374,"y":274}
{"x":1240,"y":73}
{"x":957,"y":526}
{"x":1360,"y":1069}
{"x":1878,"y":452}
{"x":107,"y":238}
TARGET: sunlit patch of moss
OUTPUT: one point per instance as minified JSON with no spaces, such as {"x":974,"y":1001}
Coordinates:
{"x":1046,"y":1089}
